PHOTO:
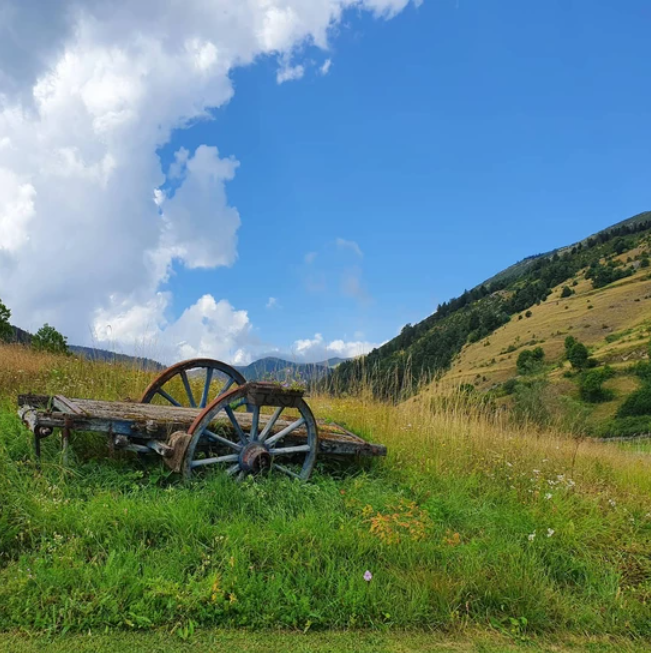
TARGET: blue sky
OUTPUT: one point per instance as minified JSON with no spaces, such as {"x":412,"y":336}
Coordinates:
{"x":446,"y":140}
{"x":447,"y":143}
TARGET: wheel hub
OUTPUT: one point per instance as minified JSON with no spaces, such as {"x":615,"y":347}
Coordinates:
{"x":255,"y":458}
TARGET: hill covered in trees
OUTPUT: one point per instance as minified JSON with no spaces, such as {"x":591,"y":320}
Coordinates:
{"x":425,"y":351}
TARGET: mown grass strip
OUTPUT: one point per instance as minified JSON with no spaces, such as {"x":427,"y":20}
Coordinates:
{"x":334,"y":642}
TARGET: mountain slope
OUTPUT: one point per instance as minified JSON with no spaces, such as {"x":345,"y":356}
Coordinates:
{"x":428,"y":349}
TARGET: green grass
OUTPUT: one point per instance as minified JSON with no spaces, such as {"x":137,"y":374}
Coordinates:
{"x":114,"y":545}
{"x":333,"y":642}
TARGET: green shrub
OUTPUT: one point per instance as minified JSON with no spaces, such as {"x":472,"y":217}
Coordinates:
{"x":638,"y":403}
{"x":508,"y":387}
{"x":591,"y":385}
{"x":566,"y":292}
{"x":530,"y":360}
{"x":625,"y":427}
{"x":578,"y":356}
{"x":642,"y":369}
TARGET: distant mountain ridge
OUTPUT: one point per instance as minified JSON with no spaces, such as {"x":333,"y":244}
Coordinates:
{"x":268,"y":368}
{"x":279,"y":369}
{"x":519,"y":268}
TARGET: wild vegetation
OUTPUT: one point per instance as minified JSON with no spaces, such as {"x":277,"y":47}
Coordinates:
{"x":474,"y":522}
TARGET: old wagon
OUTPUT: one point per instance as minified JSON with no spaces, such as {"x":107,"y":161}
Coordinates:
{"x":201,"y":414}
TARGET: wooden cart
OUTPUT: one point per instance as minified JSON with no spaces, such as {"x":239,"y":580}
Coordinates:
{"x":202,"y":413}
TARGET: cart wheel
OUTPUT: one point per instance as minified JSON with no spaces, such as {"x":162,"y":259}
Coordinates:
{"x":241,"y":448}
{"x":193,"y":383}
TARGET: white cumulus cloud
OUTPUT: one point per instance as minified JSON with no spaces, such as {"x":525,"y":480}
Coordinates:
{"x":90,"y":90}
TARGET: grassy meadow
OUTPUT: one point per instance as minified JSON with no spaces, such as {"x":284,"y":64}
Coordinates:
{"x":474,"y":527}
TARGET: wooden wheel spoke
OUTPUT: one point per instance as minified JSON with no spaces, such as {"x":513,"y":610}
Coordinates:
{"x":255,"y":421}
{"x":285,"y":451}
{"x":188,"y":389}
{"x":218,"y":438}
{"x":286,"y":431}
{"x":233,"y":469}
{"x":206,"y":387}
{"x":236,"y":425}
{"x":288,"y":472}
{"x":212,"y":461}
{"x":270,"y":424}
{"x":226,"y":387}
{"x":167,"y":396}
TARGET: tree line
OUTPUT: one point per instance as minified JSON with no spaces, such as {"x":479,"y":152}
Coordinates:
{"x":47,"y":338}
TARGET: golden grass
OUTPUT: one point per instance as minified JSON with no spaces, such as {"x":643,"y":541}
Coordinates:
{"x":621,"y":306}
{"x":22,"y":371}
{"x":447,"y":434}
{"x":433,"y":433}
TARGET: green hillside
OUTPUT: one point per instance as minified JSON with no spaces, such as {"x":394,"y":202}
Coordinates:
{"x":426,"y":351}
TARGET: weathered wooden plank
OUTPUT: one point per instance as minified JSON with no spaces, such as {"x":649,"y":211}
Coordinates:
{"x":66,"y":405}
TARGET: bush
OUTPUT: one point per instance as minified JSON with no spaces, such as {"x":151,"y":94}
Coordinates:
{"x":625,"y":427}
{"x":566,"y":292}
{"x":591,"y":385}
{"x":578,"y":356}
{"x":530,"y":360}
{"x":638,"y":403}
{"x":528,"y":314}
{"x":48,"y":339}
{"x":6,"y":332}
{"x":508,"y":387}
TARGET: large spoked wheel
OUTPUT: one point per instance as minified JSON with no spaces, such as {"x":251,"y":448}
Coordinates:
{"x":193,"y":383}
{"x":261,"y":442}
